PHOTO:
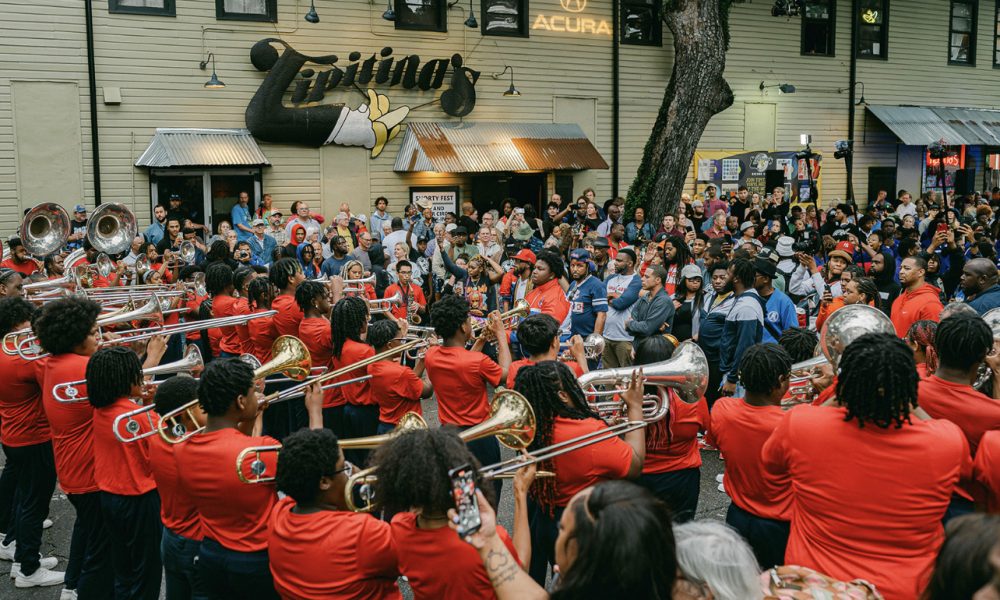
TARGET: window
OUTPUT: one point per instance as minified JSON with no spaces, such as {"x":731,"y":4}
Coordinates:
{"x":247,"y":10}
{"x":505,"y":17}
{"x":143,"y":7}
{"x":641,"y":23}
{"x":873,"y":29}
{"x":818,"y":21}
{"x":422,"y":15}
{"x":962,"y":32}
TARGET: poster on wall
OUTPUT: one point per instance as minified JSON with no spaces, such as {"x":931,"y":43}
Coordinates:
{"x":932,"y":168}
{"x":443,"y":199}
{"x":728,"y":170}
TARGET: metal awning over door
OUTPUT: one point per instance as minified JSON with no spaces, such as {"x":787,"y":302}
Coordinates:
{"x":924,"y":125}
{"x":202,"y":148}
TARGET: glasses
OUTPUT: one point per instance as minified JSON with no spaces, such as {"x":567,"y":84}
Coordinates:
{"x":347,"y":470}
{"x":404,"y":272}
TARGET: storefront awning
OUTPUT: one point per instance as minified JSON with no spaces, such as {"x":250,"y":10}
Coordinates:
{"x":923,"y":125}
{"x":484,"y":147}
{"x":202,"y":148}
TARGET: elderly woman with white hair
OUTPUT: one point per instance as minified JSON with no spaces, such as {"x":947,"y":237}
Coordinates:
{"x":714,"y":563}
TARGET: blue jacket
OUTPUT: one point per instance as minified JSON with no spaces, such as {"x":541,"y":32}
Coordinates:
{"x":986,"y":300}
{"x":743,"y":328}
{"x":780,"y":315}
{"x":262,"y":250}
{"x":713,"y":321}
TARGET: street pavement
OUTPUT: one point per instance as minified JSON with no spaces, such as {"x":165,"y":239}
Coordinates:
{"x":712,"y":504}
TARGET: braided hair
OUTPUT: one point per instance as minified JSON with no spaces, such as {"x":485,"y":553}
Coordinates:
{"x":307,"y":292}
{"x":306,"y":456}
{"x":218,"y":278}
{"x":877,"y":381}
{"x":868,"y":289}
{"x":64,"y":324}
{"x":349,"y":317}
{"x":260,"y":293}
{"x":111,"y":373}
{"x":962,"y":341}
{"x":763,"y":366}
{"x":922,"y":334}
{"x":382,"y":332}
{"x":799,"y":342}
{"x":283,"y":271}
{"x":240,"y":276}
{"x":540,"y":384}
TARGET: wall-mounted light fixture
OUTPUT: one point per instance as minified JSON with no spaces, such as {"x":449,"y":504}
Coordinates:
{"x":784,"y":88}
{"x":213,"y":83}
{"x":471,"y":22}
{"x":511,"y":91}
{"x":389,"y":14}
{"x":860,"y":100}
{"x":312,"y":16}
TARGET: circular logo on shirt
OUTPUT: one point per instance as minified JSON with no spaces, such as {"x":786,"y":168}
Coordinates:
{"x":772,"y":316}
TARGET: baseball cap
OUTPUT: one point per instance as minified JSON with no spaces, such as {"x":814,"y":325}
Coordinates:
{"x":844,"y":250}
{"x":525,"y":255}
{"x":79,"y":208}
{"x":580,"y":255}
{"x":460,"y":230}
{"x":691,"y":271}
{"x":601,"y":243}
{"x":697,"y":203}
{"x":257,"y":222}
{"x":175,"y":196}
{"x":277,"y":212}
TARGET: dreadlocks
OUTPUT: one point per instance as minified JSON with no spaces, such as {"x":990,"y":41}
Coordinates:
{"x":307,"y":292}
{"x":763,"y":366}
{"x":743,"y":271}
{"x":260,"y":292}
{"x":349,"y":317}
{"x":111,"y":373}
{"x":218,"y":278}
{"x":540,"y":384}
{"x":877,"y":381}
{"x":799,"y":342}
{"x":381,"y":333}
{"x":283,"y":271}
{"x":921,"y":334}
{"x":962,"y":342}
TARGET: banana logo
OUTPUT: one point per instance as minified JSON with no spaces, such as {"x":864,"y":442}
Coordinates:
{"x":385,"y":123}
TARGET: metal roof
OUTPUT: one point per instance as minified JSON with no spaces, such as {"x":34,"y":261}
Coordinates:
{"x":923,"y":125}
{"x":202,"y":148}
{"x":483,"y":147}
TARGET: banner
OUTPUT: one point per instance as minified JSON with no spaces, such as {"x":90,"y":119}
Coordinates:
{"x":728,"y":170}
{"x":443,"y":199}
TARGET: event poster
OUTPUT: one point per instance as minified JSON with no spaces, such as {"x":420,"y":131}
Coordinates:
{"x":728,"y":170}
{"x":443,"y":199}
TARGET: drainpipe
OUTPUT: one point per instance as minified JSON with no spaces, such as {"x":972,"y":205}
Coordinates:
{"x":92,"y":80}
{"x":615,"y":93}
{"x":852,"y":83}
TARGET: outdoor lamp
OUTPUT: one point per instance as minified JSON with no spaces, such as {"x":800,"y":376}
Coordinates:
{"x":511,"y":91}
{"x":213,"y":83}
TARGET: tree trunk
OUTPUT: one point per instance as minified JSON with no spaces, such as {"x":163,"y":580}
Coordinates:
{"x":696,"y":92}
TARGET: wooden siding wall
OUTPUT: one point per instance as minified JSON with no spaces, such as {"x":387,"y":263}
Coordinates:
{"x":154,"y":60}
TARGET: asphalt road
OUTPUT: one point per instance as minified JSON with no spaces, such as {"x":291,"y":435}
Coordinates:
{"x":712,"y":504}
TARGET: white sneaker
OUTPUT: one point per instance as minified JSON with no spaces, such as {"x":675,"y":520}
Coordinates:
{"x":7,"y":552}
{"x":40,"y":578}
{"x":46,"y":523}
{"x":49,"y":562}
{"x":718,"y":478}
{"x":67,"y":594}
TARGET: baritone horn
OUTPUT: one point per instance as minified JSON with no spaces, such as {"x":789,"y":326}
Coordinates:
{"x":44,"y":229}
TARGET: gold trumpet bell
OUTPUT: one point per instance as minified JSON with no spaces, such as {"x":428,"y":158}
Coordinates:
{"x":511,"y":420}
{"x":290,"y":357}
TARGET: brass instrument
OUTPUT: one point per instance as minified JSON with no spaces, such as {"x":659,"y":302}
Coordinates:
{"x":511,"y":420}
{"x":358,"y":285}
{"x":44,"y":229}
{"x":520,"y":309}
{"x":191,"y":363}
{"x":985,"y":375}
{"x":686,"y":372}
{"x":111,"y":228}
{"x":593,"y":348}
{"x":384,"y":305}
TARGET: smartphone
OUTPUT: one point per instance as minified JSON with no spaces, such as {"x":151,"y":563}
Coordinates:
{"x":463,"y":490}
{"x":942,"y":227}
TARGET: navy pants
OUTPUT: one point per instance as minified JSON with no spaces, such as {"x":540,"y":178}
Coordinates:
{"x":227,"y":574}
{"x":333,"y":419}
{"x":89,"y":570}
{"x":678,"y":489}
{"x":32,"y":470}
{"x":767,"y":537}
{"x":180,"y":559}
{"x":957,"y":507}
{"x":544,"y":531}
{"x":134,"y":529}
{"x":487,"y":451}
{"x":361,"y":420}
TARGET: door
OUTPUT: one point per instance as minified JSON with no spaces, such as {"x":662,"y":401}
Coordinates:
{"x":881,"y":178}
{"x":225,"y":192}
{"x":189,"y":185}
{"x":489,"y":191}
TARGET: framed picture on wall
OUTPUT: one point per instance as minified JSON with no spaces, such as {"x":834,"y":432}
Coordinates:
{"x":443,"y":199}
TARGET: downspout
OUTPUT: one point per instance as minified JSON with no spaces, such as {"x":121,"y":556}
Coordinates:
{"x":615,"y":93}
{"x":95,"y":150}
{"x":849,"y":161}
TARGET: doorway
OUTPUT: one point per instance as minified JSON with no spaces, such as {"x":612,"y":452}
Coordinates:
{"x":489,"y":191}
{"x":208,"y":195}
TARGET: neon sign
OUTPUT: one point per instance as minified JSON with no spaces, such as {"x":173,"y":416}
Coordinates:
{"x":572,"y":23}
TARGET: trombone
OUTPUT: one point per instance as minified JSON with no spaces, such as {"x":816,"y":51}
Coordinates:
{"x":384,"y":305}
{"x":191,"y":363}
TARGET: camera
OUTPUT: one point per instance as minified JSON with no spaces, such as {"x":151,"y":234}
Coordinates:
{"x":843,"y":148}
{"x":808,"y":243}
{"x":242,"y":254}
{"x":787,"y":8}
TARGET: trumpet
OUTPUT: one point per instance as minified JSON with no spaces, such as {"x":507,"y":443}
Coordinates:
{"x":686,"y":372}
{"x":511,"y":420}
{"x":190,"y":363}
{"x":593,"y":348}
{"x":384,"y":305}
{"x":521,"y":309}
{"x":358,"y":285}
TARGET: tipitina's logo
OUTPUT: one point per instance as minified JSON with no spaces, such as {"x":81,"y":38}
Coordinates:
{"x":573,"y":6}
{"x":870,"y":16}
{"x":760,"y":162}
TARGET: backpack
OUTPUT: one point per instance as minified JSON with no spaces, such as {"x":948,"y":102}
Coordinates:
{"x":800,"y":583}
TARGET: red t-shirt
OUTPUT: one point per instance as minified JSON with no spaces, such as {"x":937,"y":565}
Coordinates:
{"x":396,"y":389}
{"x":549,"y":299}
{"x":26,"y":268}
{"x":331,"y":554}
{"x":986,"y":468}
{"x":22,"y":419}
{"x":119,"y":468}
{"x":72,"y":429}
{"x":609,"y":459}
{"x":438,"y":564}
{"x":527,"y":362}
{"x":228,"y":306}
{"x":867,"y":502}
{"x":678,"y":450}
{"x":177,"y":509}
{"x":233,"y":513}
{"x":193,"y":304}
{"x":416,"y":294}
{"x":262,"y":336}
{"x":359,"y":394}
{"x":460,"y":377}
{"x":243,"y":331}
{"x":215,"y":340}
{"x":315,"y":334}
{"x":286,"y":322}
{"x":739,"y":431}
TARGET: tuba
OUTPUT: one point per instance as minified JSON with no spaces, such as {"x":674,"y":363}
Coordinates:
{"x":992,"y":318}
{"x":44,"y":229}
{"x":112,"y":228}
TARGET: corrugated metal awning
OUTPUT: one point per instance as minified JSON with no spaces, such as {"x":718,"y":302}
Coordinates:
{"x":923,"y":125}
{"x":483,"y":147}
{"x":202,"y":148}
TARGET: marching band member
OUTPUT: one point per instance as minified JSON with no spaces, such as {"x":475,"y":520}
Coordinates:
{"x":920,"y":339}
{"x":242,"y":278}
{"x":11,"y":283}
{"x":962,"y":343}
{"x":986,"y":469}
{"x":538,"y":335}
{"x":396,"y":388}
{"x":67,"y":328}
{"x":761,"y":502}
{"x":562,"y":413}
{"x":260,"y":294}
{"x":353,"y":269}
{"x":349,"y":321}
{"x":30,"y":465}
{"x":412,"y":295}
{"x":192,"y":301}
{"x":672,"y":468}
{"x":314,"y":330}
{"x":219,"y":283}
{"x":317,"y":548}
{"x":182,"y":532}
{"x":869,"y":480}
{"x":286,"y":274}
{"x":546,"y":295}
{"x":130,"y":504}
{"x":460,"y":376}
{"x":413,"y":484}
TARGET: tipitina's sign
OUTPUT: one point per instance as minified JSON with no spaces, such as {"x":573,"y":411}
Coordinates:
{"x":372,"y":124}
